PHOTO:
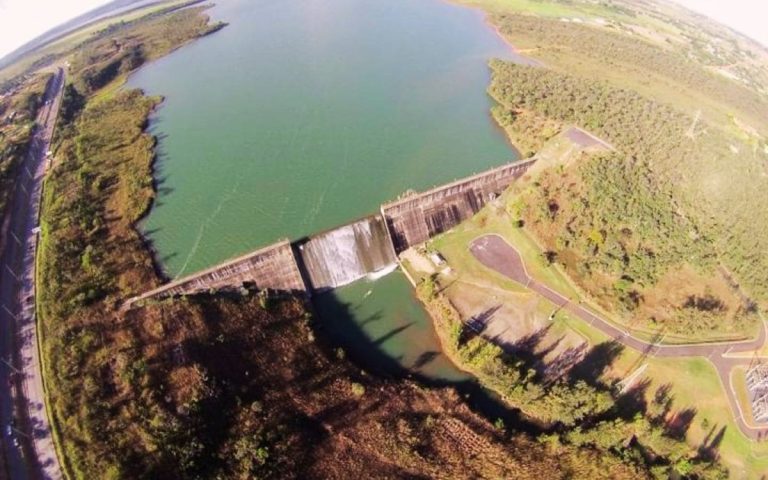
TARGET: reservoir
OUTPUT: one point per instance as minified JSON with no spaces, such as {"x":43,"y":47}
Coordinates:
{"x":306,"y":114}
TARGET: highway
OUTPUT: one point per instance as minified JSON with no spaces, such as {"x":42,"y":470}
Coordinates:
{"x":27,"y":444}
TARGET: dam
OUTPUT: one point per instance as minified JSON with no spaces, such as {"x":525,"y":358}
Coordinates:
{"x":417,"y":218}
{"x":348,"y":253}
{"x":273,"y":267}
{"x":342,"y":255}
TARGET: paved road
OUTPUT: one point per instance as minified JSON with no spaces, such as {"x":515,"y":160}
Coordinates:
{"x":22,"y":401}
{"x":494,"y":252}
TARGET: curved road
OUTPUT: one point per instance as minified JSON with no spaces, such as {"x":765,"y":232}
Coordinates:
{"x":494,"y":252}
{"x":27,"y":444}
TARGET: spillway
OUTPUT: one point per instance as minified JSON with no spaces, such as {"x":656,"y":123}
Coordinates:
{"x":348,"y":253}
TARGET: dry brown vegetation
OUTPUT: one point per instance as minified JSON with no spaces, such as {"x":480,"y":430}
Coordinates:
{"x":229,"y":385}
{"x":218,"y":386}
{"x":665,"y":72}
{"x":17,"y":118}
{"x":228,"y":389}
{"x":90,"y":255}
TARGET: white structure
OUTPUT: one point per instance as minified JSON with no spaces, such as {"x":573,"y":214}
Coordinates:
{"x":757,"y":385}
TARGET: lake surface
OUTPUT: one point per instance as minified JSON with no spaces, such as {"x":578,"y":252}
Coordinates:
{"x":302,"y":115}
{"x":305,"y":114}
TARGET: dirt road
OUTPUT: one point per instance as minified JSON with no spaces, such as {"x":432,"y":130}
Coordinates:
{"x":26,"y":435}
{"x":495,"y":253}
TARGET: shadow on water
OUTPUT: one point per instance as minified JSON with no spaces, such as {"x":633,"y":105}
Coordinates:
{"x":403,"y":350}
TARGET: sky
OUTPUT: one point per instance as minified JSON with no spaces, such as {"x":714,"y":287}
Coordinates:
{"x":746,"y":16}
{"x":23,"y":20}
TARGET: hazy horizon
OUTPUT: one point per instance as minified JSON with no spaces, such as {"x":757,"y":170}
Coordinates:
{"x":24,"y":20}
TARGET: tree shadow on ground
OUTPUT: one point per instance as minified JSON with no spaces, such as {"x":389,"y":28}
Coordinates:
{"x":477,"y":324}
{"x":633,"y":400}
{"x":591,"y":368}
{"x":678,"y":423}
{"x":709,"y":448}
{"x":424,"y":359}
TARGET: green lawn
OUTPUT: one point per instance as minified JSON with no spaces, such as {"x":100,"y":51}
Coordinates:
{"x":454,"y":246}
{"x":694,"y":381}
{"x":544,"y":8}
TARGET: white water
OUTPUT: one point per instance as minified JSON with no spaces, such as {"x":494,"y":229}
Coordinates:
{"x":373,"y":276}
{"x":348,"y":253}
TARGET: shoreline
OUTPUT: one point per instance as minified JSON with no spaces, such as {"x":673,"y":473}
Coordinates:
{"x":441,"y":324}
{"x":516,"y":55}
{"x":154,"y":255}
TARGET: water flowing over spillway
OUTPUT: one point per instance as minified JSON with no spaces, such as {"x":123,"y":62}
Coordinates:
{"x":348,"y":253}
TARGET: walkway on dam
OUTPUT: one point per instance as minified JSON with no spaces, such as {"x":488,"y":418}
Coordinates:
{"x":494,"y":252}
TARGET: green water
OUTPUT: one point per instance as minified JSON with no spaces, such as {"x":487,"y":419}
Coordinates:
{"x":306,"y":114}
{"x":382,"y":325}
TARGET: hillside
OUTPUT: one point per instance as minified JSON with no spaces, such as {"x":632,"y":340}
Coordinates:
{"x":680,"y":199}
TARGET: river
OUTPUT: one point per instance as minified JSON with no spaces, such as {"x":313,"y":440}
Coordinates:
{"x":305,"y":114}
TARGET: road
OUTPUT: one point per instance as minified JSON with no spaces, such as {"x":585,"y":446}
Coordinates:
{"x":22,"y":400}
{"x":494,"y":252}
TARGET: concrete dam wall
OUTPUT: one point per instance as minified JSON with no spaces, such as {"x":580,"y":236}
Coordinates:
{"x":273,"y":267}
{"x":347,"y":253}
{"x":417,"y":218}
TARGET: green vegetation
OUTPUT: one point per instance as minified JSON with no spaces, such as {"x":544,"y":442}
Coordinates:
{"x":237,"y":386}
{"x":665,"y":73}
{"x":620,"y":222}
{"x":17,"y":118}
{"x":692,"y":383}
{"x":562,"y":32}
{"x":233,"y":386}
{"x":90,"y":255}
{"x":61,"y":49}
{"x":124,"y":47}
{"x":579,"y":408}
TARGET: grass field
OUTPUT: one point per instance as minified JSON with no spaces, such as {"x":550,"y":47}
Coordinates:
{"x":548,"y":9}
{"x":694,"y":381}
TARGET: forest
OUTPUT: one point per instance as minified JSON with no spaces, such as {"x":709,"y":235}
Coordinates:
{"x":581,"y":407}
{"x":620,"y":222}
{"x":664,"y":71}
{"x":90,"y":255}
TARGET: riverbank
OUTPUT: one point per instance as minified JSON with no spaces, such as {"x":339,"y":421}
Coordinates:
{"x":520,"y":372}
{"x":90,"y":254}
